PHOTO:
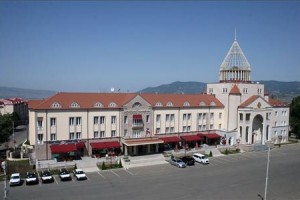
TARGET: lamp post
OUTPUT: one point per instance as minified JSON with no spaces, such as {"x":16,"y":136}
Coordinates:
{"x":267,"y":172}
{"x":4,"y":168}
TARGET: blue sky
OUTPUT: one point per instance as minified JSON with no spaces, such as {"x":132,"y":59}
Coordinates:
{"x":95,"y":45}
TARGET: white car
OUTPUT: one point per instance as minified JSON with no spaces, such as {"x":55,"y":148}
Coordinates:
{"x":31,"y":178}
{"x":15,"y":179}
{"x":79,"y":174}
{"x":47,"y":177}
{"x":200,"y":158}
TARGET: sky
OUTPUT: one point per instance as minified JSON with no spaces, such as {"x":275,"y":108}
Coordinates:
{"x":93,"y":46}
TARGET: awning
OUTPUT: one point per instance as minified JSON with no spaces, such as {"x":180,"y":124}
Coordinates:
{"x":143,"y":142}
{"x":212,"y":136}
{"x":80,"y":145}
{"x":137,"y":117}
{"x":201,"y":135}
{"x":63,"y":148}
{"x":105,"y":145}
{"x":170,"y":139}
{"x":190,"y":138}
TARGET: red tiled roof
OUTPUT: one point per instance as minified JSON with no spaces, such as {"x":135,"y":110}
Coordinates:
{"x":249,"y":101}
{"x":105,"y":145}
{"x":277,"y":103}
{"x":88,"y":100}
{"x":178,"y":100}
{"x":235,"y":90}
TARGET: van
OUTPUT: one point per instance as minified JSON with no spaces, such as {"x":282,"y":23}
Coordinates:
{"x":200,"y":158}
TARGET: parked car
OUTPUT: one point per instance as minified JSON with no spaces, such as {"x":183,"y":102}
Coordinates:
{"x":79,"y":174}
{"x":31,"y":178}
{"x":201,"y":158}
{"x":188,"y":160}
{"x":47,"y":177}
{"x":177,"y":162}
{"x":15,"y":179}
{"x":64,"y":174}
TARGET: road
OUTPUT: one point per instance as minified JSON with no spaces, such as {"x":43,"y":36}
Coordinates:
{"x":239,"y":176}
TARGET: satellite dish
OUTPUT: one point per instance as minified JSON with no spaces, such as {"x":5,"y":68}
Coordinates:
{"x":112,"y":89}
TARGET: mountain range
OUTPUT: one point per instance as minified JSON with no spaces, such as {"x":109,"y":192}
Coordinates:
{"x":281,"y":90}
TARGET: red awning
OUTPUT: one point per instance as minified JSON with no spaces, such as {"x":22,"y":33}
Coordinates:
{"x":201,"y":135}
{"x":137,"y":117}
{"x":63,"y":148}
{"x":212,"y":136}
{"x":80,"y":145}
{"x":190,"y":138}
{"x":170,"y":139}
{"x":105,"y":145}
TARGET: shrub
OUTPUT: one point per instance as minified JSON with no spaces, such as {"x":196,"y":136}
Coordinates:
{"x":103,"y":166}
{"x":226,"y":151}
{"x":120,"y":164}
{"x":210,"y":154}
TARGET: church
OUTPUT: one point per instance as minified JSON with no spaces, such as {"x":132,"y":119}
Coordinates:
{"x":233,"y":111}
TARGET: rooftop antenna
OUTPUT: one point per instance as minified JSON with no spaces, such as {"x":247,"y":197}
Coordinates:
{"x":234,"y":34}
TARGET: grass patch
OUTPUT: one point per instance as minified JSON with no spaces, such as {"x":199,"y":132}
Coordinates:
{"x":230,"y":151}
{"x":21,"y":167}
{"x":105,"y":166}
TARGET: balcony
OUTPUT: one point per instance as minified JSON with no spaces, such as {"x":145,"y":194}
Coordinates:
{"x":137,"y":125}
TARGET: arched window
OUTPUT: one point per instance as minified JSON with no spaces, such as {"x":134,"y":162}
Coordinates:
{"x":170,"y":104}
{"x":55,"y":105}
{"x":74,"y":105}
{"x":112,"y":104}
{"x":158,"y":104}
{"x":202,"y":103}
{"x":136,"y":105}
{"x":212,"y":103}
{"x":186,"y":104}
{"x":98,"y":105}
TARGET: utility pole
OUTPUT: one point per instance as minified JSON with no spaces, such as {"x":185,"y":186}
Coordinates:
{"x":5,"y":189}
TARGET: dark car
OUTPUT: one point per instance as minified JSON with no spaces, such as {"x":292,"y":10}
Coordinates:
{"x":31,"y":178}
{"x":64,"y":174}
{"x":188,"y":160}
{"x":47,"y":177}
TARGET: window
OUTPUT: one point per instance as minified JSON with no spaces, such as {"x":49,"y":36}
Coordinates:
{"x":220,"y":115}
{"x":275,"y":123}
{"x":71,"y":121}
{"x":157,"y":131}
{"x":158,"y":104}
{"x":102,"y":120}
{"x":169,"y":104}
{"x":112,"y":104}
{"x":96,"y":134}
{"x":210,"y":90}
{"x":247,"y":116}
{"x":212,"y":103}
{"x":157,"y":118}
{"x":200,"y":116}
{"x":224,"y":90}
{"x":113,"y":133}
{"x":276,"y":113}
{"x":40,"y":123}
{"x":125,"y":120}
{"x":74,"y":105}
{"x":55,"y":105}
{"x":189,"y":116}
{"x":202,"y":103}
{"x":52,"y":121}
{"x":220,"y":126}
{"x":78,"y":120}
{"x":247,"y":134}
{"x":259,"y":90}
{"x":204,"y":115}
{"x":96,"y":120}
{"x":40,"y":138}
{"x":78,"y":135}
{"x":167,"y":129}
{"x":98,"y":105}
{"x":211,"y":127}
{"x":172,"y":117}
{"x":245,"y":90}
{"x":211,"y":115}
{"x":204,"y":127}
{"x":171,"y":129}
{"x":147,"y":118}
{"x":184,"y":117}
{"x":241,"y":116}
{"x":188,"y":128}
{"x":113,"y":119}
{"x":136,"y":134}
{"x":199,"y":127}
{"x":186,"y":104}
{"x":137,"y":105}
{"x":52,"y":136}
{"x":71,"y":136}
{"x":102,"y":134}
{"x":167,"y":117}
{"x":125,"y":132}
{"x":184,"y":128}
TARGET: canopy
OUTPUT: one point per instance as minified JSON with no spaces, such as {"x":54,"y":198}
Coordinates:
{"x":190,"y":138}
{"x":212,"y":136}
{"x":170,"y":139}
{"x":137,"y":117}
{"x":63,"y":148}
{"x":105,"y":145}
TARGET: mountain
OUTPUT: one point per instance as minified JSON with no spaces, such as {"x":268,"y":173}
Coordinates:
{"x":10,"y":92}
{"x":284,"y":91}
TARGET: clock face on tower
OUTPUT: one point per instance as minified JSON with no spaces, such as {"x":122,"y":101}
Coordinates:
{"x":258,"y":104}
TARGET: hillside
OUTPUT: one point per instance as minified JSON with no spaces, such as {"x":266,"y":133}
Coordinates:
{"x":284,"y":91}
{"x":10,"y":92}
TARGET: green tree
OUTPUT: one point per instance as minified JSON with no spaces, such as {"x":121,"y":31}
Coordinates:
{"x":6,"y":122}
{"x":295,"y":116}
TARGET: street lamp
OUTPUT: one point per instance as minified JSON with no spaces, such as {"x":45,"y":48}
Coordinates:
{"x":267,"y":172}
{"x":4,"y":168}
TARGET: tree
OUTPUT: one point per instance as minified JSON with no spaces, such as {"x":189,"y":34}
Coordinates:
{"x":295,"y":116}
{"x":5,"y":127}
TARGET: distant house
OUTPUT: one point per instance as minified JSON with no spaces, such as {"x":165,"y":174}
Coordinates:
{"x":18,"y":105}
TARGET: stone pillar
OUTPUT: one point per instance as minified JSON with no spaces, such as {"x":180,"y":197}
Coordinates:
{"x":125,"y":150}
{"x":21,"y":154}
